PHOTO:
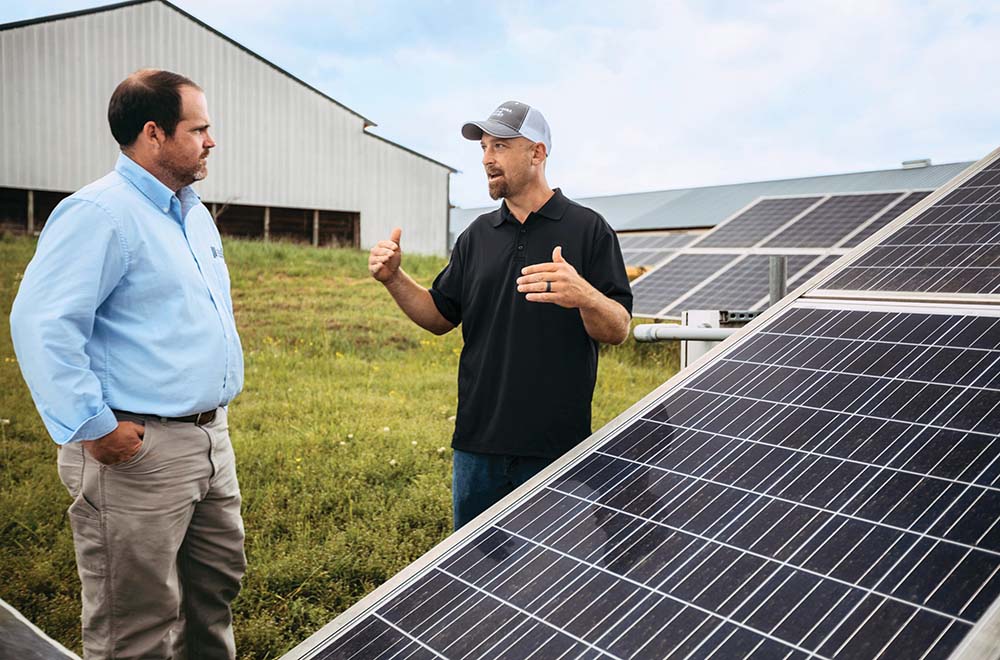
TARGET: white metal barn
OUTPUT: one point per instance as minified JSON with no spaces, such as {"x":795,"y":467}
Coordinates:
{"x":291,"y":162}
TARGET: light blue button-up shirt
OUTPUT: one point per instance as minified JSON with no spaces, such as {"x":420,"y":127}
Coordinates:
{"x":126,"y":306}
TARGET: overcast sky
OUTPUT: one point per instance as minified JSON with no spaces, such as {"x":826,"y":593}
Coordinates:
{"x":644,"y":95}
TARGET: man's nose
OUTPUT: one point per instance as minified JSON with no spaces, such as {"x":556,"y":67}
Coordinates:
{"x":209,"y":142}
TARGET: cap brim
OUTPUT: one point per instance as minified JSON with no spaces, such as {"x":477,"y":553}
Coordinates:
{"x":474,"y":130}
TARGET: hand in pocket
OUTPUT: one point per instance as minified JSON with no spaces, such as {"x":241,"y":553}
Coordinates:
{"x":118,"y":446}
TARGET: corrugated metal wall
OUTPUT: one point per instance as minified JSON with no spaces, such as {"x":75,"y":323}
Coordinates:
{"x":279,"y":143}
{"x":417,"y":199}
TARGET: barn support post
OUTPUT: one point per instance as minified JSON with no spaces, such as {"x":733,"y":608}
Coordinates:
{"x":31,"y":211}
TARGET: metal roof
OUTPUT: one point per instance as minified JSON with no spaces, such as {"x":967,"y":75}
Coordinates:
{"x":129,"y":3}
{"x":690,"y":208}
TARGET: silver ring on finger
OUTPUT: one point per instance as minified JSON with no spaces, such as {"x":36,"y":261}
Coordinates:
{"x":548,"y":286}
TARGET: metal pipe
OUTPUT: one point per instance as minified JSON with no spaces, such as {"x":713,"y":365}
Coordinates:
{"x":666,"y":331}
{"x":778,"y":277}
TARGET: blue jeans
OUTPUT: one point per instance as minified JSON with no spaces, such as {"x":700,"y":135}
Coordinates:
{"x":478,"y":481}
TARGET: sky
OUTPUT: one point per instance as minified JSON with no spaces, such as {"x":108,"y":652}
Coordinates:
{"x":643,"y":95}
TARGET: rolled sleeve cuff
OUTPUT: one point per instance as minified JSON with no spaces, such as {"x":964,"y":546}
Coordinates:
{"x":95,"y":427}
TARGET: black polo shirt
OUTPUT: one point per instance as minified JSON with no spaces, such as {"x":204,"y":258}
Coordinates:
{"x":527,"y":372}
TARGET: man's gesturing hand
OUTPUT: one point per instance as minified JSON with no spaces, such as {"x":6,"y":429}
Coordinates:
{"x":118,"y":446}
{"x":385,"y":257}
{"x":556,"y":282}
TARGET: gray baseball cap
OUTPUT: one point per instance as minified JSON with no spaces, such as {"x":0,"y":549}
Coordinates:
{"x":510,"y":120}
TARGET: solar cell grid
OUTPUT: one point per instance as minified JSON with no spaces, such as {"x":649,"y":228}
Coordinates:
{"x":644,"y":257}
{"x":654,"y":241}
{"x":649,"y":250}
{"x":742,"y":286}
{"x":827,"y":224}
{"x":670,"y":281}
{"x":953,"y":246}
{"x":634,"y":241}
{"x":899,"y":209}
{"x":804,"y":276}
{"x":829,"y":488}
{"x":757,"y":222}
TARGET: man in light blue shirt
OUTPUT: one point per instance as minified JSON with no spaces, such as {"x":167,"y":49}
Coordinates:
{"x":123,"y":327}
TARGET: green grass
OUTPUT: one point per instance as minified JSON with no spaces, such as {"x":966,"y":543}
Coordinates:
{"x":341,"y":433}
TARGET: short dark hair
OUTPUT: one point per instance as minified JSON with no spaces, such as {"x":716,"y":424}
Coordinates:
{"x":146,"y":95}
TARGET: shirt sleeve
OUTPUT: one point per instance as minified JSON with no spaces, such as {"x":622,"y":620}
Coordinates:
{"x":606,"y":270}
{"x":446,"y":291}
{"x":79,"y":260}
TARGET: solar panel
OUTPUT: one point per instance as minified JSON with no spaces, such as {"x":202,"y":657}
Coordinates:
{"x":953,"y":246}
{"x":756,"y":223}
{"x":827,"y":224}
{"x":826,"y":485}
{"x":828,"y":488}
{"x":651,"y":249}
{"x":813,"y":270}
{"x":899,"y":209}
{"x":816,"y":226}
{"x":644,"y":257}
{"x":658,"y":288}
{"x":740,"y":287}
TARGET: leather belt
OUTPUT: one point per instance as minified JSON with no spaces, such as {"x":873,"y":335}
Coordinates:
{"x":199,"y":419}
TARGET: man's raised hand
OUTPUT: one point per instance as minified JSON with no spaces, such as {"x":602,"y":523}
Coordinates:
{"x":385,"y":257}
{"x":556,"y":282}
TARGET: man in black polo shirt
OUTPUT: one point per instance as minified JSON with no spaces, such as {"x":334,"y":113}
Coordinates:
{"x":536,"y":285}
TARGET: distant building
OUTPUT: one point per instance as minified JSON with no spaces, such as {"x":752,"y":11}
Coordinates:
{"x":291,"y":162}
{"x":698,"y":209}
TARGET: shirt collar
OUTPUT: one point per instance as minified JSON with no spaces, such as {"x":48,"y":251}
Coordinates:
{"x":152,"y":187}
{"x":552,"y":209}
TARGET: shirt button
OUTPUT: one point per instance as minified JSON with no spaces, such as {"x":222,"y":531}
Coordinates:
{"x":524,"y":231}
{"x":520,"y":247}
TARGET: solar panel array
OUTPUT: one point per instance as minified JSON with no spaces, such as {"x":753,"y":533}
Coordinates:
{"x":651,"y":249}
{"x":758,"y":222}
{"x":884,"y":219}
{"x":828,"y":486}
{"x":827,"y":224}
{"x":660,"y":287}
{"x":952,"y":247}
{"x":806,"y":230}
{"x":744,"y":286}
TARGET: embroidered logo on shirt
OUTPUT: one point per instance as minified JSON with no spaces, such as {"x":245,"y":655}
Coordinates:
{"x":217,"y":252}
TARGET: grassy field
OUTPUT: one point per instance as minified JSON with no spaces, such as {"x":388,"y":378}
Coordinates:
{"x":341,"y":434}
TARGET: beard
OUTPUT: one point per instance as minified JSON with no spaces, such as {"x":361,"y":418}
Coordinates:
{"x":183,"y":171}
{"x":498,"y":188}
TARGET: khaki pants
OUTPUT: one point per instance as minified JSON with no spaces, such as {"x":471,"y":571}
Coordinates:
{"x":159,"y":543}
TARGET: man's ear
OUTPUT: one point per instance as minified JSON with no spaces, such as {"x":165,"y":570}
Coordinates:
{"x":538,"y":153}
{"x":151,"y":133}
